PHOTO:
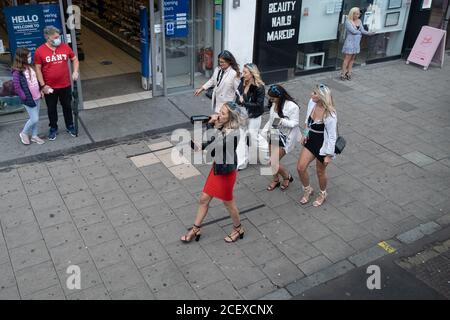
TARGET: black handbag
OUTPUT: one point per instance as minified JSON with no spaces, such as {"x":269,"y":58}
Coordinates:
{"x":340,"y":142}
{"x":340,"y":145}
{"x":209,"y":92}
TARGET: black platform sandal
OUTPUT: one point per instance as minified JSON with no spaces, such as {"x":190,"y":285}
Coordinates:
{"x":238,"y":233}
{"x":192,"y":233}
{"x":273,"y":186}
{"x":290,"y":179}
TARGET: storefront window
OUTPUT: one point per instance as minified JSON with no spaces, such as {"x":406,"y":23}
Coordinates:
{"x":437,"y":17}
{"x":317,"y":42}
{"x":193,"y":42}
{"x":387,"y":19}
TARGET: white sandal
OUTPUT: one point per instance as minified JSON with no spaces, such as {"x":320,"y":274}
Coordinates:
{"x":320,"y":198}
{"x":308,"y":191}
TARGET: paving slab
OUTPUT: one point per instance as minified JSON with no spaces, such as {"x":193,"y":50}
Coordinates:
{"x":116,"y":203}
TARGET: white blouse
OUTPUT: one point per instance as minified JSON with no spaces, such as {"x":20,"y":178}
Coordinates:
{"x":330,"y":133}
{"x":289,"y":125}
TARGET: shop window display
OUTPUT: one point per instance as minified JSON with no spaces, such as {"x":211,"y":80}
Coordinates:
{"x":437,"y":17}
{"x":119,"y":17}
{"x":319,"y":20}
{"x":316,"y":55}
{"x":387,"y":19}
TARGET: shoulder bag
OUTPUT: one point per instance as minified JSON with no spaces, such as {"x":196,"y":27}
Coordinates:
{"x":340,"y":141}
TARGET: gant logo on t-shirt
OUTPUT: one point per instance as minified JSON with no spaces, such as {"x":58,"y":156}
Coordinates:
{"x":56,"y":58}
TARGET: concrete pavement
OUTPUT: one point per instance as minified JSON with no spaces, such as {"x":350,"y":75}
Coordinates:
{"x":117,"y":212}
{"x":420,"y":271}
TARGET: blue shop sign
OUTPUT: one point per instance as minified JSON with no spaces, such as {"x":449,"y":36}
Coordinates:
{"x":26,"y":25}
{"x":52,"y":15}
{"x":176,"y":14}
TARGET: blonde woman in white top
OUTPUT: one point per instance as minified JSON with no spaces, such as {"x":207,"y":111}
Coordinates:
{"x":284,"y":116}
{"x":250,"y":97}
{"x":226,"y":79}
{"x":319,"y":141}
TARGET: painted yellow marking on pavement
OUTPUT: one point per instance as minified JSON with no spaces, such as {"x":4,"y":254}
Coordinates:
{"x":387,"y":247}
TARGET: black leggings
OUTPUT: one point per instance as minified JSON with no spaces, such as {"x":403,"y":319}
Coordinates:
{"x":64,"y":95}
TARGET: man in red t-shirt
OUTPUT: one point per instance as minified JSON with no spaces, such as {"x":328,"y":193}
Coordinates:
{"x":52,"y":70}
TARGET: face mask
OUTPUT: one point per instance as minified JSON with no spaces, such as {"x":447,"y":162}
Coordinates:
{"x":56,"y":42}
{"x":30,"y":60}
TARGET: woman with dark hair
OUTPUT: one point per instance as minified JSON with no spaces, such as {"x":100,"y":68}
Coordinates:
{"x":27,"y":87}
{"x":283,"y":124}
{"x":222,"y":177}
{"x":225,"y":81}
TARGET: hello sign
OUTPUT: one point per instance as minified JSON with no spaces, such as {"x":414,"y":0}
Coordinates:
{"x":26,"y":24}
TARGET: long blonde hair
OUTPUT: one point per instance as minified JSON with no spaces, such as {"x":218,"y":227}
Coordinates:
{"x":351,"y":13}
{"x":326,"y":99}
{"x":253,"y":69}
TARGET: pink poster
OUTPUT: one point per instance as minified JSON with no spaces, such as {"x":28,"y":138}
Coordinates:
{"x":427,"y":44}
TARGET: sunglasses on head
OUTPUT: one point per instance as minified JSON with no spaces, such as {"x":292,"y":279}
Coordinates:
{"x":225,"y":54}
{"x":275,"y":90}
{"x":233,"y":106}
{"x":323,"y":88}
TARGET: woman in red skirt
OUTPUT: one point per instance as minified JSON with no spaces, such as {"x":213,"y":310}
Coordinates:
{"x":222,"y":177}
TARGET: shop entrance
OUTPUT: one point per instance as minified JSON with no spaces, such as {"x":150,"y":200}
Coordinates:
{"x":184,"y":38}
{"x":192,"y":40}
{"x":109,"y":52}
{"x":184,"y":41}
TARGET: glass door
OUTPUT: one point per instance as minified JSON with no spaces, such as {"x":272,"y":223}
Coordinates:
{"x":207,"y":38}
{"x":186,"y":40}
{"x":192,"y":39}
{"x":179,"y":46}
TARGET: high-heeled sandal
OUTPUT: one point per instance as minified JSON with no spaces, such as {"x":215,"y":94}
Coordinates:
{"x":290,"y":179}
{"x":194,"y":232}
{"x":307,"y":192}
{"x":343,"y":77}
{"x":238,"y":233}
{"x":320,"y":198}
{"x":272,"y":187}
{"x":348,"y":76}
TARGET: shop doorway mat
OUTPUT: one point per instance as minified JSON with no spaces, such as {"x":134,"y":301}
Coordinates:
{"x":112,"y":86}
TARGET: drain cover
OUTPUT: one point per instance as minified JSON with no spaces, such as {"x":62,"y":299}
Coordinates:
{"x":106,"y":62}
